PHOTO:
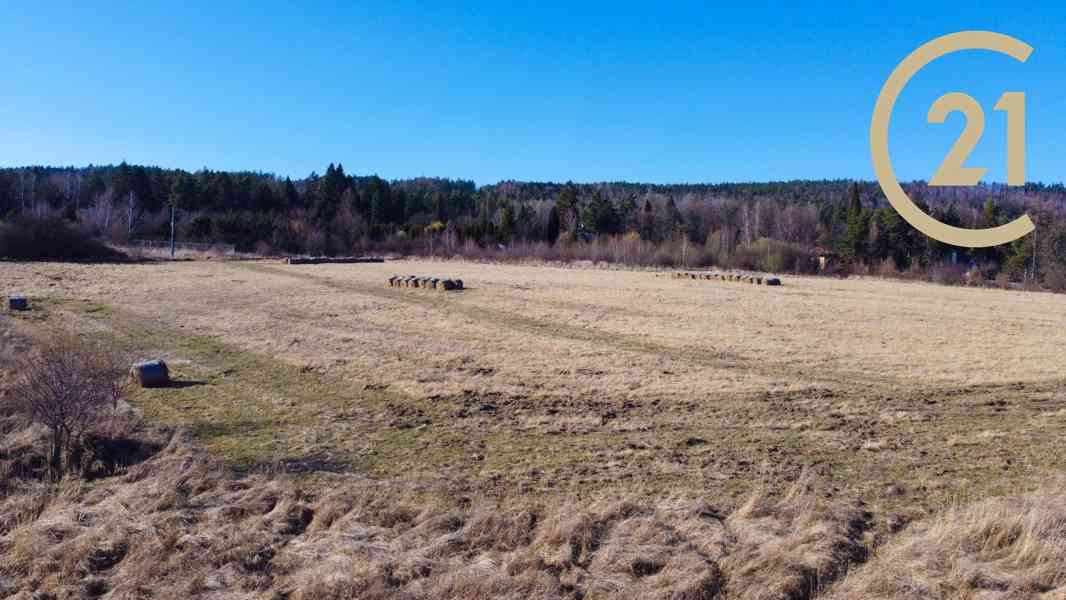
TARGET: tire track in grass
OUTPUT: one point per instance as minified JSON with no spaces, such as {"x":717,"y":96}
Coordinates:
{"x":252,"y":410}
{"x":786,"y":372}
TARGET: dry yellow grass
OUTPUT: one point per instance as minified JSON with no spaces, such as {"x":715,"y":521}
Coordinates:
{"x":176,"y":526}
{"x":1009,"y":547}
{"x":539,"y":379}
{"x":553,"y":433}
{"x":540,"y":325}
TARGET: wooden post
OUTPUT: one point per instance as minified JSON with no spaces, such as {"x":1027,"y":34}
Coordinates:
{"x":172,"y":230}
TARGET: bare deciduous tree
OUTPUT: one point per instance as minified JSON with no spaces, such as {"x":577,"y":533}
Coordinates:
{"x":67,"y":386}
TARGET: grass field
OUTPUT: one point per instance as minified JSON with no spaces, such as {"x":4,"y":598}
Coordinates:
{"x":539,"y":380}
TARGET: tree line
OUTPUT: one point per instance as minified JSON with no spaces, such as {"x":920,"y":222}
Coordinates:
{"x":704,"y":224}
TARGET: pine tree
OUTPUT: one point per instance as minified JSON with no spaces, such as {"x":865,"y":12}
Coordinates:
{"x":567,"y":203}
{"x":600,"y":215}
{"x":858,"y":230}
{"x":553,"y":229}
{"x":292,"y":197}
{"x":507,"y":224}
{"x":647,"y":221}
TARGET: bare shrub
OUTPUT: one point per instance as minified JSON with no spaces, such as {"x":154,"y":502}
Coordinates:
{"x":948,"y":275}
{"x":47,"y":238}
{"x":69,"y":387}
{"x":887,"y":268}
{"x":1003,"y":280}
{"x":1055,"y":278}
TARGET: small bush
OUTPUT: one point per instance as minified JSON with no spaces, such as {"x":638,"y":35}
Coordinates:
{"x":948,"y":275}
{"x":71,"y":389}
{"x":48,"y":238}
{"x":772,"y":256}
{"x":1055,"y":278}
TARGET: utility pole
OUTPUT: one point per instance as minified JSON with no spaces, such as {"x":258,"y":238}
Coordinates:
{"x":1036,"y":249}
{"x":172,"y":209}
{"x":129,"y":221}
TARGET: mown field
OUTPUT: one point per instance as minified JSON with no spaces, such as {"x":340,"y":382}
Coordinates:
{"x":541,"y":381}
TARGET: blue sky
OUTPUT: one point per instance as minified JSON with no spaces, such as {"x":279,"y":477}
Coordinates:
{"x":689,"y":92}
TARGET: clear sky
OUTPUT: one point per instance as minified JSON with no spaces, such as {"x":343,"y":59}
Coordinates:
{"x":683,"y":92}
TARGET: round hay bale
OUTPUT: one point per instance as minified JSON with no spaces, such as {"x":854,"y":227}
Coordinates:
{"x":448,"y":284}
{"x":773,"y":281}
{"x":392,"y":281}
{"x":433,"y":283}
{"x":758,"y":281}
{"x":18,"y":303}
{"x":458,"y":284}
{"x":150,"y":373}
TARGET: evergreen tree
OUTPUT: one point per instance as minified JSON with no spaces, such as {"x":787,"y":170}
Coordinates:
{"x":181,"y":191}
{"x":647,"y":221}
{"x":554,"y":228}
{"x":567,"y":203}
{"x":858,"y":229}
{"x":507,"y":224}
{"x":291,"y":196}
{"x":991,"y":216}
{"x":526,"y":221}
{"x":141,"y":185}
{"x":600,"y":216}
{"x":95,"y":186}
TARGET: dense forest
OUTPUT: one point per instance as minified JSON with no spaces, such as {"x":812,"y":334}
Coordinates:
{"x":779,"y":226}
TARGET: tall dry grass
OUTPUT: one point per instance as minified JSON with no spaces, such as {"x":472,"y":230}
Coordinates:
{"x":178,"y":526}
{"x":1013,"y":547}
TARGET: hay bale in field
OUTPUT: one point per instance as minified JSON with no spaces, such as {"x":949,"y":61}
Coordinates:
{"x":448,"y":284}
{"x":758,"y":281}
{"x":458,"y":284}
{"x":392,"y":281}
{"x":773,"y":281}
{"x":18,"y":303}
{"x":433,"y":283}
{"x":150,"y":373}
